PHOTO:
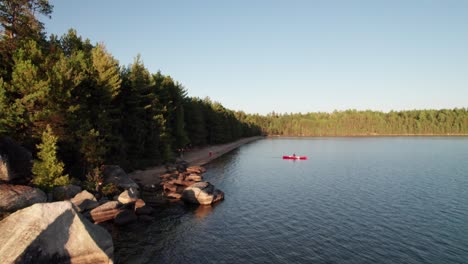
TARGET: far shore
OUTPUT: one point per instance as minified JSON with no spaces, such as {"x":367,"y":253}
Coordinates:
{"x":377,"y":135}
{"x":195,"y":157}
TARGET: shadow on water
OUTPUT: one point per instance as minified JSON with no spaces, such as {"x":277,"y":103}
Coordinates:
{"x":155,"y":242}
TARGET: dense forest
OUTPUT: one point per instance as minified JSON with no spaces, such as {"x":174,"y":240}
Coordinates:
{"x":72,"y":104}
{"x":366,"y":123}
{"x":70,"y":101}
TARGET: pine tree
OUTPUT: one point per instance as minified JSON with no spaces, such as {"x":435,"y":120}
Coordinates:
{"x":108,"y":84}
{"x":5,"y":120}
{"x":107,"y":70}
{"x":93,"y":150}
{"x":195,"y":121}
{"x":48,"y":170}
{"x":171,"y":96}
{"x":18,"y":22}
{"x":28,"y":92}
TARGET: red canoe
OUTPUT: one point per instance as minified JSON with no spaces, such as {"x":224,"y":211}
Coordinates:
{"x":295,"y":157}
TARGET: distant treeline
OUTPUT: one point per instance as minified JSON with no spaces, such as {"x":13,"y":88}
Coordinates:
{"x":363,"y":123}
{"x":100,"y":112}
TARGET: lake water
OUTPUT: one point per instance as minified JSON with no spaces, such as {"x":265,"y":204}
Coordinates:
{"x":355,"y":200}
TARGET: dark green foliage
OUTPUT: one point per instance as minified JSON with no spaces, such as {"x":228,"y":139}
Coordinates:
{"x":195,"y":121}
{"x":172,"y":96}
{"x":141,"y":125}
{"x":209,"y":122}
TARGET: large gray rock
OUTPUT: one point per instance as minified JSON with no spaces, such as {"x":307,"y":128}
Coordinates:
{"x":53,"y":233}
{"x":15,"y":161}
{"x":202,"y":193}
{"x":61,"y":193}
{"x":15,"y":197}
{"x":116,"y":175}
{"x":84,"y":201}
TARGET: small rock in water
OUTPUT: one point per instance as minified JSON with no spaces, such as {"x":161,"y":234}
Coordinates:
{"x":129,"y":196}
{"x":142,"y":209}
{"x":173,"y":195}
{"x":202,"y":193}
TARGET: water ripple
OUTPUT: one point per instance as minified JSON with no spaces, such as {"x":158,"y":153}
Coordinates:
{"x":385,"y":200}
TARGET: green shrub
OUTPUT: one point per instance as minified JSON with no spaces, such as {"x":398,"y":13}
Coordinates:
{"x":110,"y":190}
{"x":48,"y":170}
{"x":93,"y":180}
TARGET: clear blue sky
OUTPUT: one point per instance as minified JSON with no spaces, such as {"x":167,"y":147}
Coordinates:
{"x":289,"y":56}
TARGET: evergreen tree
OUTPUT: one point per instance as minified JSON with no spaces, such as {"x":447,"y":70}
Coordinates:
{"x":141,"y":120}
{"x":48,"y":170}
{"x":108,"y":85}
{"x":195,"y":121}
{"x":107,"y":70}
{"x":171,"y":96}
{"x":93,"y":150}
{"x":18,"y":22}
{"x":5,"y":119}
{"x":28,"y":93}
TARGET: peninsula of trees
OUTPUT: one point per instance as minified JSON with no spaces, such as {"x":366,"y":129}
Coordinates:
{"x":76,"y":108}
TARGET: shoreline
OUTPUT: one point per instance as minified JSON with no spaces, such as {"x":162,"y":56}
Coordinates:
{"x":195,"y":157}
{"x":372,"y":135}
{"x":200,"y":156}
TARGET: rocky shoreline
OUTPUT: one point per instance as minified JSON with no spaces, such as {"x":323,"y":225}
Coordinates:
{"x":73,"y":225}
{"x":194,"y":157}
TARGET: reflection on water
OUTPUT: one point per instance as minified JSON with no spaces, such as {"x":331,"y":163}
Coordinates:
{"x":199,"y":211}
{"x":202,"y":211}
{"x":356,"y":200}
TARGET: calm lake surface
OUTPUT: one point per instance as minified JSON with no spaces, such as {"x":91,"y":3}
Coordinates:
{"x":355,"y":200}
